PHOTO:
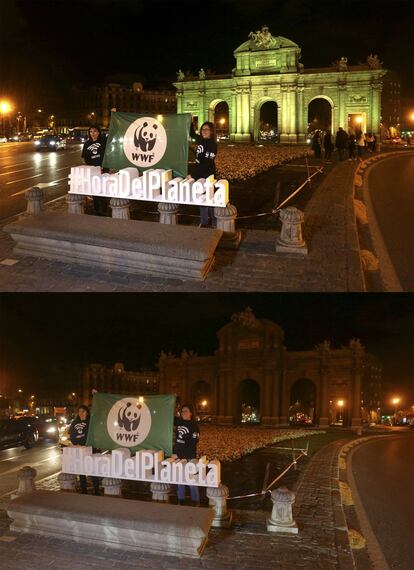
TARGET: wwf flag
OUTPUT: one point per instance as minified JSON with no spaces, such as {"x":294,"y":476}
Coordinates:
{"x":148,"y":142}
{"x":135,"y":422}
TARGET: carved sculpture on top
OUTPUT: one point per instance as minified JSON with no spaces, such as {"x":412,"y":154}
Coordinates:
{"x":180,"y":75}
{"x":343,"y":64}
{"x":301,"y":67}
{"x":263,"y":38}
{"x":201,"y":74}
{"x":374,"y":62}
{"x":246,"y":319}
{"x":356,"y":346}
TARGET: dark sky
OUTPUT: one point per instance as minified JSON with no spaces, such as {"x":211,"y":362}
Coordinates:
{"x":43,"y":334}
{"x":46,"y":46}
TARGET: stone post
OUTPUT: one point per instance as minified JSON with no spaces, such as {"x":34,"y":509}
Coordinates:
{"x":26,"y":477}
{"x":281,"y":519}
{"x":226,"y":221}
{"x":217,"y":497}
{"x":112,"y":487}
{"x":76,"y":203}
{"x":67,"y":482}
{"x":290,"y":239}
{"x":120,"y":208}
{"x":34,"y":197}
{"x":161,"y":492}
{"x":168,"y":213}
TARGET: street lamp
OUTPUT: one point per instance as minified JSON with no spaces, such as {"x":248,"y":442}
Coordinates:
{"x":395,"y":402}
{"x":5,"y":108}
{"x":340,"y":406}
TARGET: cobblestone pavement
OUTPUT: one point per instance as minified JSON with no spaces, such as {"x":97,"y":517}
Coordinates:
{"x":332,"y":264}
{"x":321,"y":543}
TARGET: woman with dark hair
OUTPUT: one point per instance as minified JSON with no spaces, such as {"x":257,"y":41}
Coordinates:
{"x":78,"y":433}
{"x":93,"y":154}
{"x":187,"y":435}
{"x":205,"y":155}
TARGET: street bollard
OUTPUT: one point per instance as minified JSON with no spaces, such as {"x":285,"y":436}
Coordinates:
{"x":76,"y":203}
{"x":168,"y":213}
{"x":26,"y":477}
{"x":218,"y":501}
{"x":112,"y":487}
{"x":34,"y":197}
{"x":161,"y":492}
{"x":67,"y":482}
{"x":226,"y":221}
{"x":281,"y":519}
{"x":290,"y":239}
{"x":120,"y":208}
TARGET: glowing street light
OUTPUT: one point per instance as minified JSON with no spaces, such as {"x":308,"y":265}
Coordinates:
{"x":222,"y":121}
{"x":5,"y":107}
{"x":340,"y":405}
{"x":359,"y":119}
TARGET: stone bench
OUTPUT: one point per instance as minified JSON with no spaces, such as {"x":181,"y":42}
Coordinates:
{"x":111,"y":522}
{"x":150,"y":248}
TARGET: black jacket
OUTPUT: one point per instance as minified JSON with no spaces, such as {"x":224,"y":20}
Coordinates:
{"x":78,"y":431}
{"x":187,"y":435}
{"x":205,"y":155}
{"x":93,"y":152}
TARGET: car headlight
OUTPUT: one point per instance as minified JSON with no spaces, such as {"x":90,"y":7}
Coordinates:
{"x":51,"y":430}
{"x":37,"y":143}
{"x":52,"y":143}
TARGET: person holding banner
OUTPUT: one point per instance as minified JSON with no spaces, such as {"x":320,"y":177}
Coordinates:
{"x":187,"y":435}
{"x":93,"y":154}
{"x":205,"y":155}
{"x":78,"y":433}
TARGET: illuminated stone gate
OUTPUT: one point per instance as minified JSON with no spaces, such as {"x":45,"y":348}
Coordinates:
{"x":252,"y":359}
{"x":268,"y":70}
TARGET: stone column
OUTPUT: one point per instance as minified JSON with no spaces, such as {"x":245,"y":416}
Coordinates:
{"x":26,"y":477}
{"x":67,"y":482}
{"x":34,"y":198}
{"x":161,"y":492}
{"x":112,"y":487}
{"x":76,"y":203}
{"x":120,"y":208}
{"x":284,"y":116}
{"x":239,"y":115}
{"x":302,"y":126}
{"x":281,"y":519}
{"x":285,"y":401}
{"x":168,"y":213}
{"x":233,"y":116}
{"x":375,"y":117}
{"x":217,"y":497}
{"x":226,"y":221}
{"x":342,"y":118}
{"x":246,"y":113}
{"x":290,"y":239}
{"x":292,"y":115}
{"x":179,"y":97}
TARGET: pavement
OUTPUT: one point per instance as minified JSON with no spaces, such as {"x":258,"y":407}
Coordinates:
{"x":332,"y":264}
{"x":321,"y":544}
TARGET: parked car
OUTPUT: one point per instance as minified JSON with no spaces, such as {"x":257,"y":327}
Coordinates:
{"x":15,"y":432}
{"x":50,"y":142}
{"x":3,"y":139}
{"x":48,"y":428}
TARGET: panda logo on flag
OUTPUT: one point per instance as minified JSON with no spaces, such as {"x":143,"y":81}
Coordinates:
{"x":145,"y":142}
{"x":129,"y":422}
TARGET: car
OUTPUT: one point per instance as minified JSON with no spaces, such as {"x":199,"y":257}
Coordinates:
{"x":3,"y":140}
{"x":50,"y":142}
{"x":15,"y":432}
{"x":48,"y":428}
{"x":31,"y":423}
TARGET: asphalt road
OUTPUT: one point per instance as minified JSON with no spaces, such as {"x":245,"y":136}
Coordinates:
{"x":21,"y":168}
{"x":384,"y":475}
{"x":391,"y":189}
{"x":45,"y":457}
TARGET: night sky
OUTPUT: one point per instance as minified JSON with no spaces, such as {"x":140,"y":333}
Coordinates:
{"x":48,"y":46}
{"x":44,"y":335}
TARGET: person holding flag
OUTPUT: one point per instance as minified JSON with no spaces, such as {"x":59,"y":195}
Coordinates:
{"x":78,"y":433}
{"x":187,"y":434}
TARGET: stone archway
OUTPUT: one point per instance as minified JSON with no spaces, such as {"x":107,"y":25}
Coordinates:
{"x":266,"y":120}
{"x":201,"y":397}
{"x":303,"y":395}
{"x":219,"y":114}
{"x":320,"y":114}
{"x":249,"y":411}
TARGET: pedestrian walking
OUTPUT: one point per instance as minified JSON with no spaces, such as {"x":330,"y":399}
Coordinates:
{"x":93,"y":154}
{"x":317,"y":143}
{"x":328,"y":145}
{"x":360,"y":144}
{"x":78,"y":433}
{"x":341,"y":142}
{"x":205,"y":154}
{"x":370,"y":140}
{"x":351,"y":146}
{"x":187,"y":435}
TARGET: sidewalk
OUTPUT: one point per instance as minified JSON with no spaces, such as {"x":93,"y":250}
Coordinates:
{"x":322,"y":542}
{"x":333,"y":262}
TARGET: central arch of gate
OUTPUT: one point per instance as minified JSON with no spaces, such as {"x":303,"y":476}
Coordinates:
{"x":253,"y":378}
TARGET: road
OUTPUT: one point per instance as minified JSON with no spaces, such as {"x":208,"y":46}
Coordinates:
{"x":383,"y":470}
{"x":21,"y":168}
{"x":391,"y":190}
{"x":45,"y":457}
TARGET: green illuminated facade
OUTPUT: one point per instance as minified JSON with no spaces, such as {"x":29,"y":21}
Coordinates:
{"x":268,"y":69}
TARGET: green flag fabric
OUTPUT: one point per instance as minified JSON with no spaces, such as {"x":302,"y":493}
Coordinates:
{"x":135,"y":422}
{"x":147,"y":142}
